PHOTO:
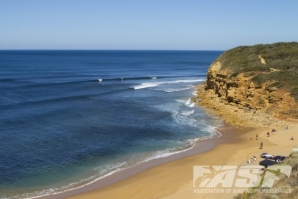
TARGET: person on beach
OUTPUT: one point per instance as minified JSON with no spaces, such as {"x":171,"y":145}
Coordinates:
{"x":254,"y":158}
{"x":287,"y":127}
{"x":261,"y":145}
{"x":256,"y":136}
{"x":268,"y":134}
{"x":292,"y":138}
{"x":248,"y":161}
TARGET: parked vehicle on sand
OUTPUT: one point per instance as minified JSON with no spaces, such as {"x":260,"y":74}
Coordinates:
{"x":267,"y":156}
{"x":279,"y":158}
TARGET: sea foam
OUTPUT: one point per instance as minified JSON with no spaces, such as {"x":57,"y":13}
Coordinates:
{"x":146,"y":85}
{"x":189,"y":103}
{"x":154,"y":84}
{"x":170,"y":90}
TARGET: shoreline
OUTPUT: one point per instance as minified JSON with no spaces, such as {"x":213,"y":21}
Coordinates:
{"x":173,"y":179}
{"x":119,"y":182}
{"x":200,"y":146}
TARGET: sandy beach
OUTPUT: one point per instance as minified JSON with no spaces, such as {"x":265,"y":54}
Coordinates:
{"x":174,"y":179}
{"x":278,"y":143}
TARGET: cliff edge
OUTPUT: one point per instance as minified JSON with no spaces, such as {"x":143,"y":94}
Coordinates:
{"x":254,"y":79}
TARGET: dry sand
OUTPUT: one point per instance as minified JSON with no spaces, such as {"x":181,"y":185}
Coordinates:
{"x":278,"y":143}
{"x":174,"y":179}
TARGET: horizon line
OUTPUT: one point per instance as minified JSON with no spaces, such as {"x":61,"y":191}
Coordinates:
{"x":104,"y":50}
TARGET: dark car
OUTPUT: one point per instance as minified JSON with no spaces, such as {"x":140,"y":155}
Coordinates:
{"x":266,"y":163}
{"x":279,"y":158}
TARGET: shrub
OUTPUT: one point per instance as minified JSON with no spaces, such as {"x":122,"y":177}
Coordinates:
{"x":259,"y":79}
{"x":294,"y":93}
{"x":281,"y":56}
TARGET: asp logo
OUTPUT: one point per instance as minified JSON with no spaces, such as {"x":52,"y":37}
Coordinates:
{"x":235,"y":176}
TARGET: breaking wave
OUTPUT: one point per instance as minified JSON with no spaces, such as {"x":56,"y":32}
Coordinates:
{"x":154,"y":84}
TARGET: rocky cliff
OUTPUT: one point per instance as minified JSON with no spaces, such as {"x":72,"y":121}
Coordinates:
{"x":254,"y":81}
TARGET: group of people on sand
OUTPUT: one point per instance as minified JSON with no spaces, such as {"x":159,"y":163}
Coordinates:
{"x":268,"y":134}
{"x":256,"y":137}
{"x":261,"y":144}
{"x":251,"y":160}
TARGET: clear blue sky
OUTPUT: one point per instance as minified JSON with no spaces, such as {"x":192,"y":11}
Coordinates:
{"x":145,"y":24}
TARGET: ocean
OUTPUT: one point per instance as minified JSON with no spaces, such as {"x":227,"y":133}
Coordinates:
{"x":69,"y":118}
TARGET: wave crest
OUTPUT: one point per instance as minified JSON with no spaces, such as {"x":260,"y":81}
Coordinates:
{"x":154,"y":84}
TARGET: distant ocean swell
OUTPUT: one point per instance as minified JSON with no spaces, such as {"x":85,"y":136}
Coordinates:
{"x":67,"y":121}
{"x":32,"y":84}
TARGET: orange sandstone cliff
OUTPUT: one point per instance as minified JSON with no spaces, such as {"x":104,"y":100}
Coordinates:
{"x":251,"y":80}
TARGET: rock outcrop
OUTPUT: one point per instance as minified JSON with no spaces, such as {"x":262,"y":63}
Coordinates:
{"x":237,"y":90}
{"x":240,"y":91}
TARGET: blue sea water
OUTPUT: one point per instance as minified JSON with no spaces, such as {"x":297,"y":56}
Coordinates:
{"x":70,"y":117}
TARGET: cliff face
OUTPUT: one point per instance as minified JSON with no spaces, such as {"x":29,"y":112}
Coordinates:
{"x":240,"y":91}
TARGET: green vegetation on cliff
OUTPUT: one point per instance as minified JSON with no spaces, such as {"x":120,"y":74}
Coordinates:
{"x":279,"y":68}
